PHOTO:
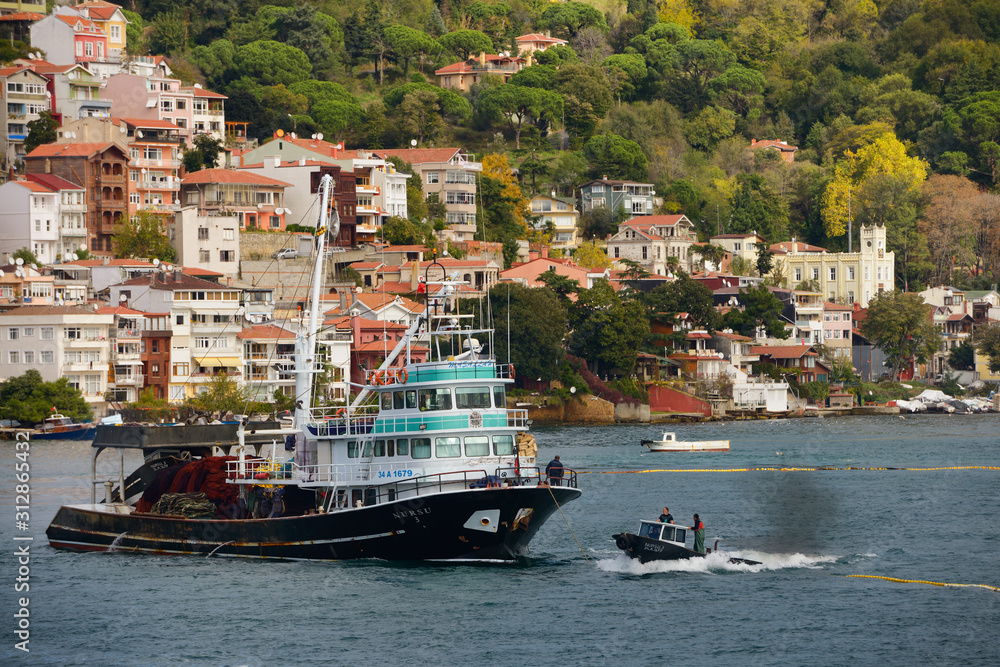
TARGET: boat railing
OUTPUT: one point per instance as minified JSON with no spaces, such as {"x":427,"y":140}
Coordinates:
{"x":339,"y":422}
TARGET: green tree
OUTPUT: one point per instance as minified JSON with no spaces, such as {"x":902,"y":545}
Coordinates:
{"x":756,"y":207}
{"x":143,"y":235}
{"x":536,"y":343}
{"x":466,"y":43}
{"x":204,"y":154}
{"x":709,"y":126}
{"x":29,"y":399}
{"x":168,"y":33}
{"x":435,"y":23}
{"x":517,"y":105}
{"x":591,"y":256}
{"x":988,"y":344}
{"x":224,"y":394}
{"x":615,"y":157}
{"x":269,"y":63}
{"x":963,"y":357}
{"x":586,"y":96}
{"x":420,"y":115}
{"x":626,"y":72}
{"x":26,"y":256}
{"x":607,"y":330}
{"x":336,"y":117}
{"x":683,"y":295}
{"x":566,"y":19}
{"x":407,"y":44}
{"x":312,"y":32}
{"x":561,"y":285}
{"x":41,"y":131}
{"x":899,"y":323}
{"x":759,"y":309}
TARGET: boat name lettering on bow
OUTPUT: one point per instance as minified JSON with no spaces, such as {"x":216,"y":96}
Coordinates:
{"x":395,"y":473}
{"x":469,"y":364}
{"x":405,"y":513}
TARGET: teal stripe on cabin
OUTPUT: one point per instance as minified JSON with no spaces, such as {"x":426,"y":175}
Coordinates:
{"x":444,"y":374}
{"x":436,"y":423}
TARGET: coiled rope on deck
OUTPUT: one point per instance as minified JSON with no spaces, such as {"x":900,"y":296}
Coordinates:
{"x":929,"y":583}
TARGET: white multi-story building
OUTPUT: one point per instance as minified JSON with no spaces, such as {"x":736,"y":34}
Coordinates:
{"x":71,"y":211}
{"x":205,"y":320}
{"x":208,"y":112}
{"x":268,"y":359}
{"x":29,"y":218}
{"x":58,"y":341}
{"x":851,"y":277}
{"x":23,"y":98}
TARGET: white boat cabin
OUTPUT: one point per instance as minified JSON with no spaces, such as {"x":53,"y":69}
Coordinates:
{"x":663,"y":532}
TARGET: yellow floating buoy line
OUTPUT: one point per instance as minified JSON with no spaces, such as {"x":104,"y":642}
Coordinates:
{"x":929,"y":583}
{"x":776,"y":469}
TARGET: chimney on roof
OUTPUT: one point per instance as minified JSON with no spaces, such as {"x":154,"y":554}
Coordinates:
{"x":277,"y":161}
{"x":545,"y":252}
{"x":302,"y":161}
{"x":177,"y":274}
{"x":482,"y":59}
{"x":753,"y":142}
{"x":105,"y":261}
{"x":48,"y":166}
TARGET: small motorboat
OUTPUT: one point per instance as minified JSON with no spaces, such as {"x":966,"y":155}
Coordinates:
{"x":670,"y":443}
{"x":663,"y":541}
{"x":60,"y":427}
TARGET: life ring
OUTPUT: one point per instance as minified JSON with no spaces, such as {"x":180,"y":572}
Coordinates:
{"x":341,"y":413}
{"x":621,"y":542}
{"x":402,"y":376}
{"x":511,"y":368}
{"x":378,"y":378}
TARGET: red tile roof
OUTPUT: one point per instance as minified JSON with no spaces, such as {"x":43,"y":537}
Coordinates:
{"x":266,"y":332}
{"x":102,"y":10}
{"x":538,"y":37}
{"x":119,"y":310}
{"x":22,"y":16}
{"x":195,"y":271}
{"x":829,"y":305}
{"x":72,"y":20}
{"x":33,"y":187}
{"x":421,"y":155}
{"x":167,"y":281}
{"x":786,"y":246}
{"x":201,"y":92}
{"x":69,"y":150}
{"x":239,"y":176}
{"x":783,"y":351}
{"x":770,"y":143}
{"x":473,"y":64}
{"x":54,"y":182}
{"x":731,"y":336}
{"x":147,"y":122}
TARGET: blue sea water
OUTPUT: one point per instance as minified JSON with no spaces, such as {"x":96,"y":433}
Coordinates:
{"x":583,"y":604}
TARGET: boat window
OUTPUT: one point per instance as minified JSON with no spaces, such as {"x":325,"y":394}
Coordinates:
{"x":411,"y":399}
{"x":651,"y":530}
{"x":681,"y":535}
{"x":386,"y":400}
{"x":499,"y":400}
{"x":435,"y":399}
{"x":668,"y":534}
{"x":421,"y":448}
{"x":366,"y":449}
{"x":471,"y":398}
{"x":503,"y":445}
{"x":477,"y":445}
{"x":352,"y":449}
{"x":390,"y":447}
{"x":402,"y":447}
{"x":447,"y":448}
{"x":380,"y":448}
{"x":397,"y":400}
{"x":371,"y":497}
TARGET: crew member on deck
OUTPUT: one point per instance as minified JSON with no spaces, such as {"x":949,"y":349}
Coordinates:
{"x":699,"y":535}
{"x":666,"y":517}
{"x":554,"y":471}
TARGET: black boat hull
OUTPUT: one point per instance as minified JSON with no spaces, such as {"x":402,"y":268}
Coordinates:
{"x":646,"y":550}
{"x":443,"y":526}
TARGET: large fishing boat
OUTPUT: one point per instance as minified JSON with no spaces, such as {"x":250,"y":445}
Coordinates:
{"x":426,"y":463}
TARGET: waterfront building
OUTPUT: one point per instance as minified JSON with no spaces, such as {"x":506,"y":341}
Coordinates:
{"x":651,"y":240}
{"x":561,"y":214}
{"x":629,"y":196}
{"x":800,"y":360}
{"x":838,"y":321}
{"x":58,"y":341}
{"x":152,"y":98}
{"x":74,"y":92}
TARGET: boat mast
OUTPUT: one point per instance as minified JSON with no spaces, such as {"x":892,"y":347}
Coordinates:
{"x":305,"y":341}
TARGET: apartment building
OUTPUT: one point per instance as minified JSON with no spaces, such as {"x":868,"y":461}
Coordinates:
{"x":24,"y":285}
{"x":58,"y":341}
{"x":75,"y":92}
{"x":462,"y":75}
{"x":209,"y":242}
{"x":205,"y":318}
{"x":152,"y":98}
{"x":561,"y":214}
{"x":155,"y":161}
{"x":29,"y":218}
{"x":452,"y":175}
{"x":101,"y":168}
{"x":268,"y":359}
{"x":208,"y":112}
{"x":24,"y":97}
{"x":72,"y":212}
{"x":68,"y":37}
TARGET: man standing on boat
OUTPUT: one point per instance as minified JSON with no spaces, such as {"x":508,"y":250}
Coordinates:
{"x":699,"y":535}
{"x":554,"y":471}
{"x":666,"y":517}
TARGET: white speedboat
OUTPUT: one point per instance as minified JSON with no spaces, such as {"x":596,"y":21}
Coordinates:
{"x":669,"y":443}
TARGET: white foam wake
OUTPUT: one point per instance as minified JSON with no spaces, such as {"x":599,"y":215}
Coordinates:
{"x":716,"y":562}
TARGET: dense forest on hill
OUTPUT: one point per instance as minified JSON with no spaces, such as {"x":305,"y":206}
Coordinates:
{"x":894,"y":105}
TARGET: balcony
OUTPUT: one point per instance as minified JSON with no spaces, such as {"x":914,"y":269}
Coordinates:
{"x":165,"y":184}
{"x":165,"y":163}
{"x":160,"y":208}
{"x":368,"y":189}
{"x":73,"y":208}
{"x":78,"y":366}
{"x":367,"y":209}
{"x":109,"y":179}
{"x":129,"y":380}
{"x":127,"y":334}
{"x":82,"y":343}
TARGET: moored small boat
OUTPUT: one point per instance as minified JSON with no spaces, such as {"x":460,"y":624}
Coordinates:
{"x":669,"y":443}
{"x":60,"y":427}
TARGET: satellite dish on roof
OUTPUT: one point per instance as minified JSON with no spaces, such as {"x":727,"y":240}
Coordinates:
{"x":320,"y":136}
{"x":138,"y":134}
{"x":19,"y":261}
{"x":122,"y":298}
{"x":287,"y":212}
{"x":340,"y":146}
{"x":156,"y":262}
{"x":279,"y":133}
{"x":413,"y":142}
{"x":1,"y":273}
{"x":279,"y":211}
